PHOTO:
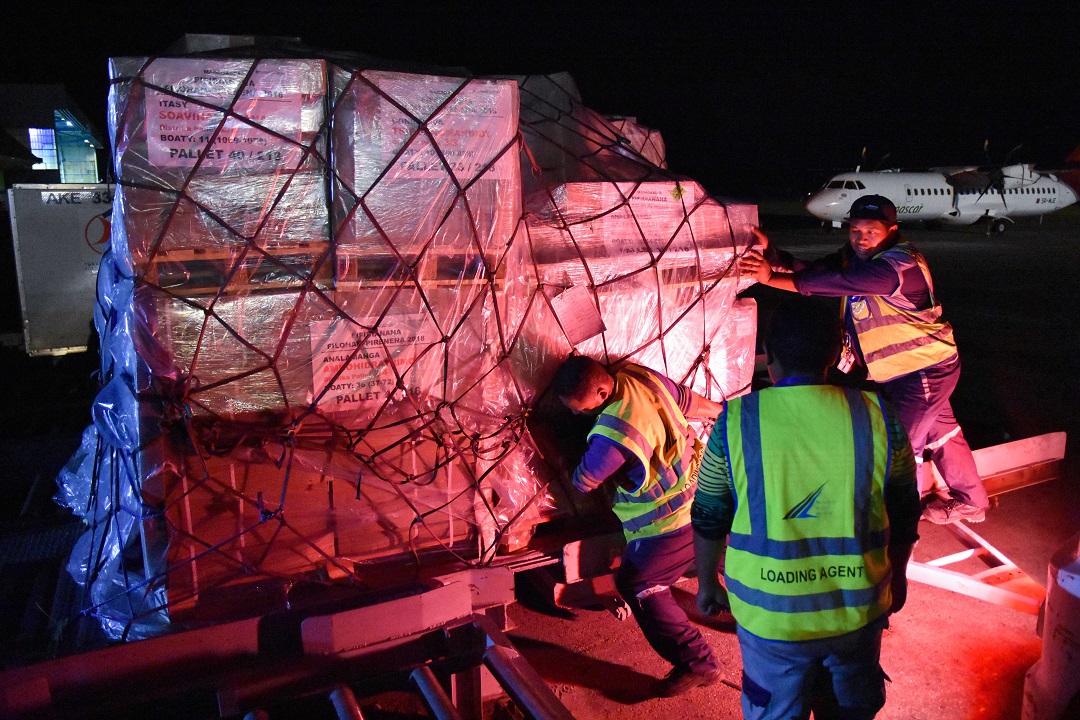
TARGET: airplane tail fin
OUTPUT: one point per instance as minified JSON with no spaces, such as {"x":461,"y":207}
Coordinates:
{"x":1070,"y":175}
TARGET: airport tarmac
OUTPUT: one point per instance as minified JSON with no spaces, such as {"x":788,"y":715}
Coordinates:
{"x":1014,"y":302}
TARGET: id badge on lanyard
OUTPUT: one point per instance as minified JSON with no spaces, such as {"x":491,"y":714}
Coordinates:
{"x":847,"y":356}
{"x":859,"y":311}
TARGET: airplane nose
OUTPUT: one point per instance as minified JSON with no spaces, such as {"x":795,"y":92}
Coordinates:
{"x":827,"y":206}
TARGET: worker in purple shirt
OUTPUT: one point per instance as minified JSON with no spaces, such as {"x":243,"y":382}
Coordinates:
{"x":642,"y":441}
{"x":893,"y":329}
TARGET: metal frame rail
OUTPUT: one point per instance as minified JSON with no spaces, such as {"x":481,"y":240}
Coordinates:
{"x":442,"y":642}
{"x":1003,"y":468}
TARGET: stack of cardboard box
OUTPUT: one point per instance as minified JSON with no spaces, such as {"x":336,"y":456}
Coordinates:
{"x":342,"y":315}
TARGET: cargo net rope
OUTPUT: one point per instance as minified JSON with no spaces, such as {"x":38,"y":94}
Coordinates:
{"x":332,"y":304}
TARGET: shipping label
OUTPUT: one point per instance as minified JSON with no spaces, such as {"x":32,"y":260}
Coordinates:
{"x":655,"y":211}
{"x":368,"y":376}
{"x":575,"y":309}
{"x":182,"y":123}
{"x":469,"y":131}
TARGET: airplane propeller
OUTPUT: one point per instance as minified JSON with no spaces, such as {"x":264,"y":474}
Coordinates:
{"x":995,"y":181}
{"x":986,"y":178}
{"x":995,"y":174}
{"x":865,"y":160}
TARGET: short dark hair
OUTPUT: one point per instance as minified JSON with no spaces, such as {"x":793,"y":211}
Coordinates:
{"x":804,"y":334}
{"x":576,"y":376}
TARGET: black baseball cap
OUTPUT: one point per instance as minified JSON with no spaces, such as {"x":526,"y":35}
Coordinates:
{"x":873,"y":207}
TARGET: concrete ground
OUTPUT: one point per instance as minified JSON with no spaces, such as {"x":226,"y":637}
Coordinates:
{"x":1014,"y":302}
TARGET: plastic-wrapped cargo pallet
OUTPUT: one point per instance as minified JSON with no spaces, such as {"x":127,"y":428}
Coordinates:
{"x":333,"y":299}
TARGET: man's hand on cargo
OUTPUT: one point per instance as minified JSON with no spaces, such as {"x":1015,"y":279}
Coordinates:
{"x":754,"y":263}
{"x":757,"y":264}
{"x":762,"y":238}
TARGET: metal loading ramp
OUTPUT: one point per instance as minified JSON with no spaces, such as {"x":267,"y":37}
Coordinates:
{"x":1003,"y":468}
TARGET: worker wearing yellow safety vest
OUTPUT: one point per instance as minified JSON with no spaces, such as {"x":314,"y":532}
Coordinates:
{"x":813,"y":489}
{"x":642,"y":440}
{"x":896,"y":334}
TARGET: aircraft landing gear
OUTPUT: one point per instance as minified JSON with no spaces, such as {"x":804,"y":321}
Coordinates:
{"x":998,"y":226}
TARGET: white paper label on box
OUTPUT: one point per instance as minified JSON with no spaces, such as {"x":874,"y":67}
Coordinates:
{"x":577,"y":314}
{"x":656,"y":211}
{"x":368,"y":376}
{"x":182,"y":123}
{"x":470,"y":130}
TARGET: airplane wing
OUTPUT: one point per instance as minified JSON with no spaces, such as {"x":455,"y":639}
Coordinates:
{"x":975,"y":178}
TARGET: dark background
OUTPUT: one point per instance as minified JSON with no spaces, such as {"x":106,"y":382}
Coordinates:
{"x":754,"y":100}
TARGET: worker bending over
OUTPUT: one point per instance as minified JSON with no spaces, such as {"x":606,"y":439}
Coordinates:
{"x":641,"y":439}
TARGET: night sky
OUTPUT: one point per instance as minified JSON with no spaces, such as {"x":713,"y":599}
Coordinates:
{"x":754,"y":100}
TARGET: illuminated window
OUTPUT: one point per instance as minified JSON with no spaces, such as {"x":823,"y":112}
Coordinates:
{"x":43,"y":145}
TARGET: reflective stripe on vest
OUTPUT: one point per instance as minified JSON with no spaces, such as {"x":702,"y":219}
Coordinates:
{"x":806,"y":555}
{"x":644,"y":418}
{"x":896,"y":340}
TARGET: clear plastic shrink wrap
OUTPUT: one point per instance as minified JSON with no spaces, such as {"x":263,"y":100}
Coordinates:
{"x":627,"y":261}
{"x":333,"y":298}
{"x":646,"y":142}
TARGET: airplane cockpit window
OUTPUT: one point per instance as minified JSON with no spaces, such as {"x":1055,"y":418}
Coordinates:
{"x":850,"y":185}
{"x":835,"y":185}
{"x":859,"y":185}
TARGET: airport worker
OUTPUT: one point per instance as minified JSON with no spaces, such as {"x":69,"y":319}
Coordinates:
{"x":642,"y":441}
{"x":811,"y":487}
{"x":894,"y":329}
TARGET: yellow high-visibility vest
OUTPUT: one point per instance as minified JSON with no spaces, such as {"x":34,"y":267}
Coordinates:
{"x":644,"y":418}
{"x":894,"y":337}
{"x":806,"y":555}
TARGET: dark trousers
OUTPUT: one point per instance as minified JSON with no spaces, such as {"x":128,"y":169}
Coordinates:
{"x":649,"y":568}
{"x":838,"y":677}
{"x":922,"y":403}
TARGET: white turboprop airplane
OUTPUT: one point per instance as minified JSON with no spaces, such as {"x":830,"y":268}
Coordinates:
{"x":953,"y":196}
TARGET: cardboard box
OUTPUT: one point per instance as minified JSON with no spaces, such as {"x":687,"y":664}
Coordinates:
{"x":424,"y":164}
{"x":217,"y":153}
